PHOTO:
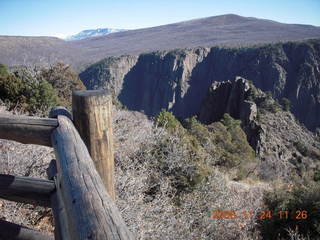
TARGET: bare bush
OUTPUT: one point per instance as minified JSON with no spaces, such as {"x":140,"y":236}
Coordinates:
{"x":150,"y":165}
{"x":151,"y":204}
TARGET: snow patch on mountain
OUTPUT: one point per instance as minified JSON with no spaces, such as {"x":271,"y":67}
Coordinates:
{"x":93,"y":33}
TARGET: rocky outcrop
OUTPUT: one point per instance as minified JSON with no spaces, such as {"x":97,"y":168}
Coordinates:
{"x":229,"y":97}
{"x":113,"y":69}
{"x":179,"y":80}
{"x":238,"y":98}
{"x":162,"y":80}
{"x":271,"y":131}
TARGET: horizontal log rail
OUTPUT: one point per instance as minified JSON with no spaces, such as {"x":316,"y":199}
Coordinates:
{"x":81,"y":201}
{"x":12,"y":231}
{"x":34,"y":191}
{"x":27,"y":130}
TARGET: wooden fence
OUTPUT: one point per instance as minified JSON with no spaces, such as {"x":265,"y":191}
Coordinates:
{"x":79,"y":189}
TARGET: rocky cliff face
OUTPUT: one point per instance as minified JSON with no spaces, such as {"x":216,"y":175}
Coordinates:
{"x":238,"y":98}
{"x":108,"y":73}
{"x":178,"y":80}
{"x":231,"y":97}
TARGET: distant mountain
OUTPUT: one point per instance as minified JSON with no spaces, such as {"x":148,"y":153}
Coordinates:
{"x":93,"y":33}
{"x":230,"y":30}
{"x":41,"y":51}
{"x":224,"y":30}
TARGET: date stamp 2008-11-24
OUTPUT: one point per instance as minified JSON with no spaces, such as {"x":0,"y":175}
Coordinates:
{"x":261,"y":214}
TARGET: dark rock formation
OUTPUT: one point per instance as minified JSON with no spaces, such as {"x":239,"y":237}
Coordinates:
{"x":179,"y":80}
{"x":237,"y":98}
{"x":229,"y":97}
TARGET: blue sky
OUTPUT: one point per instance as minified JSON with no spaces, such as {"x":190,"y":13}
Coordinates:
{"x":65,"y":17}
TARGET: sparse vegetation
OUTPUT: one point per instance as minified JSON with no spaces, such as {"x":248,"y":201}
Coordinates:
{"x":36,"y":91}
{"x":301,"y":200}
{"x":166,"y":119}
{"x":269,"y":104}
{"x":301,"y":148}
{"x":25,"y":92}
{"x":63,"y":80}
{"x":174,"y":177}
{"x":286,"y":104}
{"x":316,"y":176}
{"x":221,"y":144}
{"x":159,"y":176}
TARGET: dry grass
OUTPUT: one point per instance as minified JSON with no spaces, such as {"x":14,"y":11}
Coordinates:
{"x":25,"y":160}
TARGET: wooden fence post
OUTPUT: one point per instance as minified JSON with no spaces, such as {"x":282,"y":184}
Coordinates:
{"x":92,"y":115}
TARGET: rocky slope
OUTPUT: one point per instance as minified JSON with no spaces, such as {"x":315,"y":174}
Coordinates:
{"x":178,"y":80}
{"x":281,"y":143}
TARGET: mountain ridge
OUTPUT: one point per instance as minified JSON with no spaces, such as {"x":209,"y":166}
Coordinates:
{"x":226,"y":30}
{"x":230,"y":30}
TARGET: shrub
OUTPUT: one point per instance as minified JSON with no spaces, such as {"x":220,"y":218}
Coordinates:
{"x":269,"y":94}
{"x":22,"y":90}
{"x":3,"y":70}
{"x":38,"y":90}
{"x":194,"y":153}
{"x":225,"y":142}
{"x":159,"y":179}
{"x":270,"y":105}
{"x":42,"y":98}
{"x":229,"y":122}
{"x":63,"y":80}
{"x":301,"y":148}
{"x":294,"y":199}
{"x":166,"y":119}
{"x":267,"y":103}
{"x":11,"y":89}
{"x":316,"y":176}
{"x":286,"y":104}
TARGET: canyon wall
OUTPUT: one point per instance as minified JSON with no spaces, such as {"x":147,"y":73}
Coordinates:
{"x":179,"y":80}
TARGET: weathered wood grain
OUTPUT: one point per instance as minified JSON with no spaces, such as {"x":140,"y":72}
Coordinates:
{"x":34,"y":191}
{"x":28,"y":130}
{"x":90,"y":212}
{"x":61,"y":231}
{"x":12,"y":231}
{"x":92,"y":111}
